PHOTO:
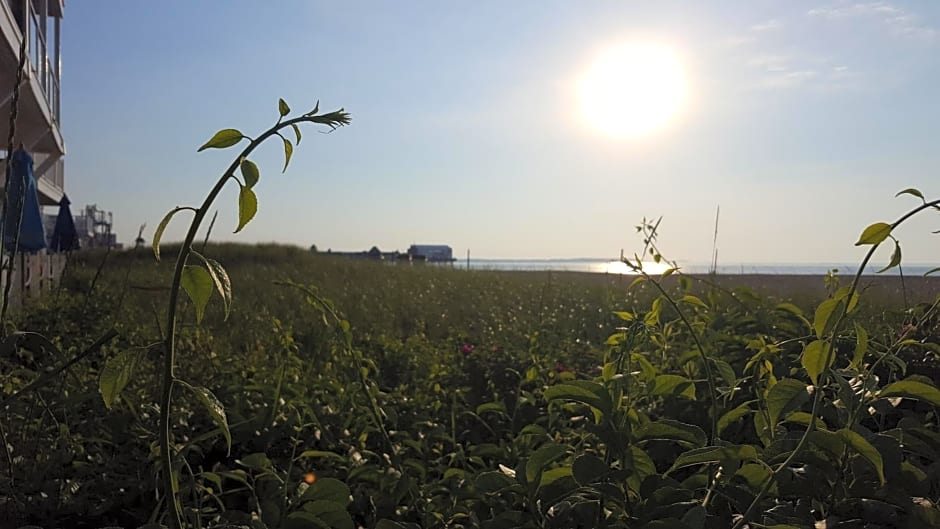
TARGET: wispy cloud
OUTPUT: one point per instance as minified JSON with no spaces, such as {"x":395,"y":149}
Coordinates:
{"x":897,"y":20}
{"x":780,"y":72}
{"x":766,"y":26}
{"x":736,"y":41}
{"x":795,"y":71}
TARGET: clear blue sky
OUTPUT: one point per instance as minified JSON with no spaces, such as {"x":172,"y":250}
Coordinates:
{"x":803,"y":120}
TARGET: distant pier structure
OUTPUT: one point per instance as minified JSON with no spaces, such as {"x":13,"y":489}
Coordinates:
{"x":432,"y":253}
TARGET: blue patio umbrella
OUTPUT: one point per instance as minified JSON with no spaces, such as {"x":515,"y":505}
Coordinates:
{"x":64,"y":236}
{"x":32,"y":234}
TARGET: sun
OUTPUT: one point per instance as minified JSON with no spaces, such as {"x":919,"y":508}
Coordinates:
{"x":632,"y":89}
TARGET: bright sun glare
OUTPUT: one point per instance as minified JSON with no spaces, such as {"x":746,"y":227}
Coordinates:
{"x":632,"y":89}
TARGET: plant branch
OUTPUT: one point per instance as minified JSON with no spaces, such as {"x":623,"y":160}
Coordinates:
{"x":333,"y":120}
{"x":824,"y":377}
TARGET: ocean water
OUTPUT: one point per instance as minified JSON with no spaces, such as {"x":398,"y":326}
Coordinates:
{"x":607,"y":266}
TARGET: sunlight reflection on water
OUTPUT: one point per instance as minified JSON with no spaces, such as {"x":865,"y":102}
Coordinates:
{"x":619,"y":267}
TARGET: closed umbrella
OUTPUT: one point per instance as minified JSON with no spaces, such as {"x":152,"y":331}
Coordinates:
{"x":32,"y":236}
{"x":64,"y":236}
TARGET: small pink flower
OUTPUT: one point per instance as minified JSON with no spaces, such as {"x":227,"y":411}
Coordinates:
{"x":466,"y":348}
{"x":562,"y":368}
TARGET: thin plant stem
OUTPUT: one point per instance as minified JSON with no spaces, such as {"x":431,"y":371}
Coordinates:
{"x":8,"y":173}
{"x":824,"y":377}
{"x":166,"y":457}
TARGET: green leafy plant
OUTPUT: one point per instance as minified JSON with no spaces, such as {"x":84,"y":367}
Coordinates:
{"x":199,"y":281}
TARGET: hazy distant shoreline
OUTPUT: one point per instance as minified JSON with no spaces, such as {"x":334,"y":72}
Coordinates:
{"x":886,"y":290}
{"x":595,"y":265}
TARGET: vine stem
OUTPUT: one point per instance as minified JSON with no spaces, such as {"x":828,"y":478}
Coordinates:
{"x":650,"y":233}
{"x":701,"y":351}
{"x":166,"y":457}
{"x":374,"y":409}
{"x":824,"y":377}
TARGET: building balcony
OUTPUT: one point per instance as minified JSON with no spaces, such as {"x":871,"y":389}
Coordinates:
{"x":38,"y":119}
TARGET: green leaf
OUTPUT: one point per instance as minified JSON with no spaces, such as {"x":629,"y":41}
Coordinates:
{"x":693,"y":300}
{"x":327,"y":489}
{"x":874,"y":234}
{"x":624,"y":315}
{"x":215,"y":409}
{"x":288,"y":152}
{"x":157,"y":235}
{"x":640,"y":465}
{"x":282,"y":107}
{"x":674,"y":385}
{"x":552,"y":475}
{"x":304,"y":520}
{"x":647,"y":369}
{"x":912,"y":389}
{"x":223,"y":285}
{"x":492,"y":482}
{"x":694,"y":518}
{"x":801,"y":417}
{"x":670,"y":430}
{"x":495,"y":407}
{"x":815,"y":360}
{"x":785,"y":396}
{"x":895,"y":258}
{"x":639,"y":462}
{"x":843,"y":293}
{"x":582,"y":391}
{"x":388,"y":524}
{"x":868,"y":452}
{"x":250,"y":173}
{"x":588,"y":468}
{"x":726,"y":372}
{"x":296,"y":132}
{"x":756,"y":476}
{"x":222,"y":139}
{"x":197,"y":283}
{"x":791,"y":308}
{"x":247,"y":207}
{"x":541,"y":458}
{"x":117,"y":373}
{"x":910,"y":191}
{"x":323,"y":454}
{"x":214,"y":478}
{"x":932,"y":271}
{"x":316,"y":109}
{"x":714,"y":454}
{"x":826,"y":314}
{"x":861,"y":346}
{"x":333,"y":514}
{"x":666,"y":523}
{"x":733,"y":416}
{"x":762,"y":429}
{"x":256,"y":461}
{"x":33,"y":342}
{"x":831,"y":442}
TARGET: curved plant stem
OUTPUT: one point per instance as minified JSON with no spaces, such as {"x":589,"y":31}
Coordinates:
{"x":650,"y":234}
{"x":166,"y":458}
{"x":824,"y":377}
{"x":374,"y":410}
{"x":712,"y":392}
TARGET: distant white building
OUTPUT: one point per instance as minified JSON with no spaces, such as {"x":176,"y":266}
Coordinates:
{"x":432,"y":253}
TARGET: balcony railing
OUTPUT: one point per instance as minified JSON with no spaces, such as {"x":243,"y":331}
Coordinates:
{"x":33,"y":18}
